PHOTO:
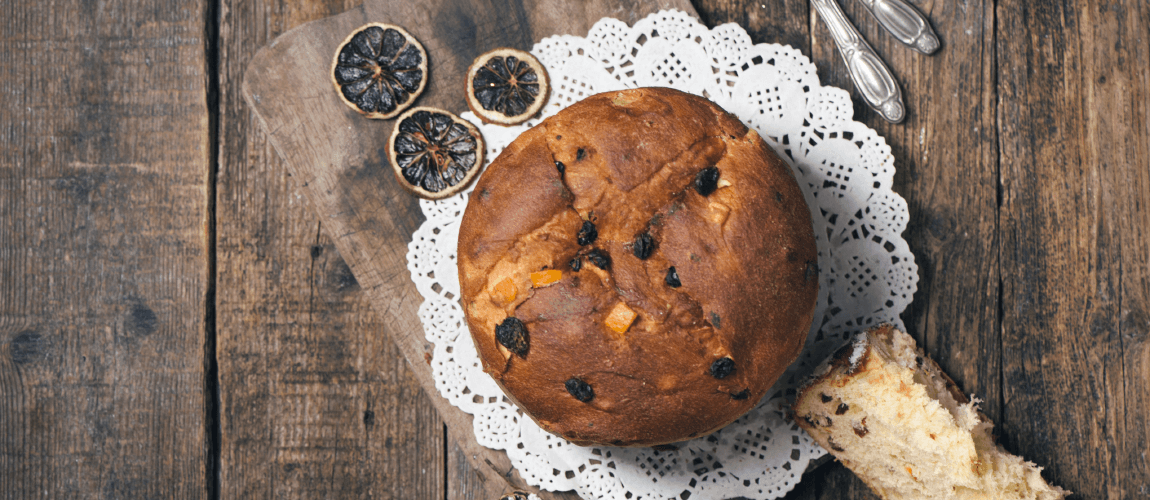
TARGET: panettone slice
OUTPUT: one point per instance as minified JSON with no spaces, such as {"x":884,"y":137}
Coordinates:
{"x":891,"y":415}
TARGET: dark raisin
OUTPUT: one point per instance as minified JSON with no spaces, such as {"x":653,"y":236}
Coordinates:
{"x":580,"y":389}
{"x":707,"y":180}
{"x":600,"y":259}
{"x":576,"y":264}
{"x":643,"y":246}
{"x":842,"y":409}
{"x":587,"y":234}
{"x":722,"y":367}
{"x":672,"y":279}
{"x":580,"y":154}
{"x":716,"y":321}
{"x":834,"y":446}
{"x":741,"y":395}
{"x":512,"y":334}
{"x":861,"y":431}
{"x":560,"y":167}
{"x":811,"y":421}
{"x":825,"y":398}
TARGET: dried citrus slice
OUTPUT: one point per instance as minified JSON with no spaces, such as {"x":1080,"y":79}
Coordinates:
{"x":435,"y":154}
{"x":379,"y":70}
{"x":506,"y":86}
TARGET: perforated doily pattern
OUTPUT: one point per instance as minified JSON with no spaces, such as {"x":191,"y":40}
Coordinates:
{"x":867,"y":273}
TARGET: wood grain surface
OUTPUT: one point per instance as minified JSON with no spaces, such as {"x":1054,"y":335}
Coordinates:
{"x":102,"y":250}
{"x":184,"y":314}
{"x":293,"y":322}
{"x":1075,"y":178}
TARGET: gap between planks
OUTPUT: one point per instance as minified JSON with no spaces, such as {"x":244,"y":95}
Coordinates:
{"x":212,"y":430}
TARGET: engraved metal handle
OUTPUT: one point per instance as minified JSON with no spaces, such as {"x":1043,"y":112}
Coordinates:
{"x":904,"y":22}
{"x":870,"y":75}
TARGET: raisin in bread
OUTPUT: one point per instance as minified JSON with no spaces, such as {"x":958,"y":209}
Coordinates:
{"x":637,"y":269}
{"x":891,"y":415}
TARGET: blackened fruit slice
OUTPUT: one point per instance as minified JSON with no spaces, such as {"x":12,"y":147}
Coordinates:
{"x":672,"y":279}
{"x":435,"y":154}
{"x":379,"y":70}
{"x":506,"y":86}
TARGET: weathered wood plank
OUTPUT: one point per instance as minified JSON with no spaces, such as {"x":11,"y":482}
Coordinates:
{"x":317,"y":401}
{"x":1072,"y":80}
{"x":946,"y":160}
{"x":103,"y":151}
{"x":335,"y":155}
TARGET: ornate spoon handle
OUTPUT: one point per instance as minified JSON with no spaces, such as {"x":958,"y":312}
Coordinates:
{"x":904,"y":22}
{"x":869,"y":73}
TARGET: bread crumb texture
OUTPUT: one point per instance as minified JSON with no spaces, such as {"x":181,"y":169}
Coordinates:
{"x":575,"y":228}
{"x":891,"y":415}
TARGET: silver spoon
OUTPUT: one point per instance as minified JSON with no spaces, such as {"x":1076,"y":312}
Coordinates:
{"x":867,"y":70}
{"x":904,"y":22}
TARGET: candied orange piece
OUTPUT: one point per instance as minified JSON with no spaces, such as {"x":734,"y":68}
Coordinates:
{"x":541,"y":279}
{"x":620,"y":318}
{"x":506,"y":290}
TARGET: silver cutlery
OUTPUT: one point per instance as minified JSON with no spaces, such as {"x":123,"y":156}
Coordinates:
{"x":867,"y":70}
{"x":904,"y":22}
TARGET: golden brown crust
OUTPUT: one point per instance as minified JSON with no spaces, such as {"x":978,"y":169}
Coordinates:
{"x":745,"y":255}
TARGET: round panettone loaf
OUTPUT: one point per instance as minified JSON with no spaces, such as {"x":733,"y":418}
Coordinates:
{"x":638,"y":269}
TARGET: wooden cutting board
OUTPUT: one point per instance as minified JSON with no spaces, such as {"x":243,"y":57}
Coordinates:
{"x":339,"y":158}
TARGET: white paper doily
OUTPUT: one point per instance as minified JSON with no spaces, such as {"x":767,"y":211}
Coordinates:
{"x":867,"y":273}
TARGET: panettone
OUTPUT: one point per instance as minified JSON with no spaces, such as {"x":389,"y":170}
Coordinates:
{"x":638,"y":269}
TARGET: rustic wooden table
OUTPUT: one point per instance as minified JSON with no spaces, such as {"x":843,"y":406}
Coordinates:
{"x":176,"y":323}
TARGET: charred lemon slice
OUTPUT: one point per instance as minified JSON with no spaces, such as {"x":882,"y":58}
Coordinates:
{"x":506,"y":86}
{"x":379,"y":70}
{"x":435,"y":154}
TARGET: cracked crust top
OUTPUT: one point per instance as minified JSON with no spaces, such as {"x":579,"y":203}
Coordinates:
{"x":612,"y":349}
